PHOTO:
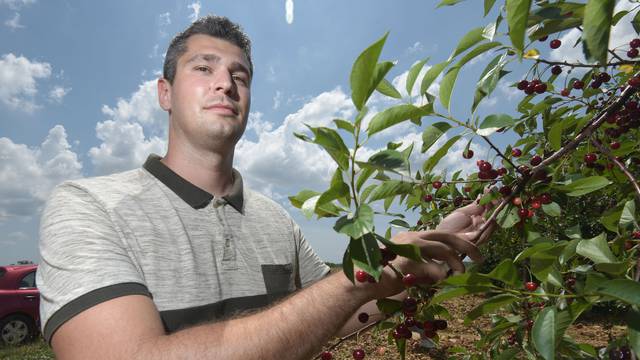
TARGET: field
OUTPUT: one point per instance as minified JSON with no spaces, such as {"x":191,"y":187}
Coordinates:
{"x":594,"y":329}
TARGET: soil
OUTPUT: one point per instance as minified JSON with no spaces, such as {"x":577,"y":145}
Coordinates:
{"x":595,"y":329}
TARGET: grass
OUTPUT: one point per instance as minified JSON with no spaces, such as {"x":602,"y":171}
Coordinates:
{"x":35,"y":350}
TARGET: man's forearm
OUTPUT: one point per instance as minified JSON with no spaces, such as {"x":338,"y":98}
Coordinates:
{"x":296,"y":328}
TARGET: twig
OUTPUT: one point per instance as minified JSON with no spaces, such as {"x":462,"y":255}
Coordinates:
{"x":501,"y":154}
{"x":621,"y":62}
{"x":619,"y":164}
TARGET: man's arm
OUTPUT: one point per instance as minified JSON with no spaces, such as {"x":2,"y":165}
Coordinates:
{"x":129,"y":327}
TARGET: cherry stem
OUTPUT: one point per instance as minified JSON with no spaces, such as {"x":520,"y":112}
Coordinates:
{"x":501,"y":154}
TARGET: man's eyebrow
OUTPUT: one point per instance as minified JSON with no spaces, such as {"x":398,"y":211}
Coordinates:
{"x":215,"y":58}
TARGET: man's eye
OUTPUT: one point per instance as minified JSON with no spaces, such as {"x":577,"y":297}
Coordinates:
{"x":239,"y":78}
{"x":202,"y":68}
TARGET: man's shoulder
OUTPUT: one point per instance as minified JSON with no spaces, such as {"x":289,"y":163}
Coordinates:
{"x":258,"y":201}
{"x":109,"y":187}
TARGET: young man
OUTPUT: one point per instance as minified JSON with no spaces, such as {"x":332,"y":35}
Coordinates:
{"x":160,"y":262}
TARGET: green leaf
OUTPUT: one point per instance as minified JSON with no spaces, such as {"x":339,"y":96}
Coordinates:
{"x":390,"y":188}
{"x":363,"y":71}
{"x":506,"y":272}
{"x":409,"y":251}
{"x":395,"y":115}
{"x":517,"y":16}
{"x":299,"y":199}
{"x":389,"y":306}
{"x":544,"y":333}
{"x":468,"y":40}
{"x":359,"y":224}
{"x":555,"y":135}
{"x":337,"y":190}
{"x":508,"y":217}
{"x":449,"y":79}
{"x":611,"y":218}
{"x":489,"y":79}
{"x":492,"y":123}
{"x":489,"y":305}
{"x":508,"y":354}
{"x":387,"y":160}
{"x":448,"y":3}
{"x":366,"y":254}
{"x":437,"y":156}
{"x":628,"y":214}
{"x":363,"y":176}
{"x":432,"y":133}
{"x":622,"y":289}
{"x":552,"y":209}
{"x":431,"y":75}
{"x":633,"y":321}
{"x":585,"y":185}
{"x":526,"y":253}
{"x":619,"y":15}
{"x":488,"y":4}
{"x":596,"y":27}
{"x":413,"y":74}
{"x":309,"y":206}
{"x":386,"y":88}
{"x":347,"y":265}
{"x":596,"y":249}
{"x":344,"y":125}
{"x":454,"y":292}
{"x":636,"y":22}
{"x":331,"y":141}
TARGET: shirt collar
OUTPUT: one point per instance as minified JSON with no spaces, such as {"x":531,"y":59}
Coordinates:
{"x":191,"y":194}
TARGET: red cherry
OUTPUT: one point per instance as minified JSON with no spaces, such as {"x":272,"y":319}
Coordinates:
{"x":636,"y":234}
{"x":531,"y":88}
{"x":502,"y":171}
{"x":535,"y":160}
{"x":635,"y":43}
{"x":485,"y":166}
{"x":530,"y":213}
{"x":358,"y":354}
{"x":523,"y":84}
{"x":517,"y":201}
{"x":540,"y":88}
{"x":556,"y":70}
{"x":578,"y":85}
{"x":536,"y":204}
{"x":570,"y":282}
{"x":565,"y":92}
{"x":363,"y":317}
{"x":326,"y":355}
{"x":516,"y":152}
{"x":467,"y":189}
{"x":409,"y":280}
{"x":628,"y":245}
{"x":604,"y":77}
{"x":362,"y":276}
{"x":410,"y":322}
{"x":555,"y":43}
{"x":505,"y":191}
{"x":440,"y":324}
{"x":523,"y":213}
{"x":436,"y":184}
{"x":467,"y":154}
{"x":634,"y":82}
{"x":590,"y":158}
{"x":544,"y":38}
{"x":632,"y":53}
{"x":615,"y":145}
{"x":428,"y":198}
{"x":531,"y":286}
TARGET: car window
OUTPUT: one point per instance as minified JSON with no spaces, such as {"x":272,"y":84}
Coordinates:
{"x":28,"y":281}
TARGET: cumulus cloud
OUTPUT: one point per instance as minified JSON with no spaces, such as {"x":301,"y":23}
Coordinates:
{"x":620,"y":35}
{"x":58,"y":93}
{"x":14,"y":22}
{"x":18,"y":76}
{"x":289,"y":11}
{"x":277,"y":162}
{"x":416,"y":48}
{"x":16,"y":4}
{"x":195,"y":7}
{"x":27,"y":175}
{"x":124,"y":144}
{"x":276,"y":100}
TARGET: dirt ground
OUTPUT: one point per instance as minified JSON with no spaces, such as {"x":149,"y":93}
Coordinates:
{"x":593,"y":329}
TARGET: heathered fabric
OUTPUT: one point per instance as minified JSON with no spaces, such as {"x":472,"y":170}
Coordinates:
{"x":129,"y":233}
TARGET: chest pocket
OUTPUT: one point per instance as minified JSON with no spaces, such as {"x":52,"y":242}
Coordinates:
{"x":279,"y":280}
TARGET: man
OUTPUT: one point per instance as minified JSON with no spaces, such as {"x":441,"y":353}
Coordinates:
{"x":163,"y":262}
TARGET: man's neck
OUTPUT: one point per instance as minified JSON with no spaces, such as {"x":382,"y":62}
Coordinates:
{"x":212,"y":172}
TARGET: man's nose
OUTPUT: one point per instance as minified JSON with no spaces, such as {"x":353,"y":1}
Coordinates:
{"x":222,"y":81}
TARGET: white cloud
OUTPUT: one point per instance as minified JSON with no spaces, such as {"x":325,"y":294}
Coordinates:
{"x":27,"y":175}
{"x":14,"y":238}
{"x":16,"y":4}
{"x":58,"y":93}
{"x":277,"y":163}
{"x":18,"y":77}
{"x":503,"y":91}
{"x":417,"y":47}
{"x":124,"y":144}
{"x":276,"y":100}
{"x":164,"y":19}
{"x":14,"y":23}
{"x":289,"y":11}
{"x":195,"y":7}
{"x":620,"y":36}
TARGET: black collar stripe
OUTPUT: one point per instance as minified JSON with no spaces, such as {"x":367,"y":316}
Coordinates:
{"x":191,"y":194}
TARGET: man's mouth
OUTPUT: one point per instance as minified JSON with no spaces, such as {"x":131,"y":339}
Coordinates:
{"x":222,"y":108}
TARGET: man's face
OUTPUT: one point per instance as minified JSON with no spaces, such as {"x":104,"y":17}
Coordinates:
{"x":210,"y":96}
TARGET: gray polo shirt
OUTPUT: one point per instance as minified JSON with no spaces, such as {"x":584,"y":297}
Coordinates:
{"x":150,"y":232}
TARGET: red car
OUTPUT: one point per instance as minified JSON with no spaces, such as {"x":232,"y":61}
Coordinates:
{"x":19,"y":304}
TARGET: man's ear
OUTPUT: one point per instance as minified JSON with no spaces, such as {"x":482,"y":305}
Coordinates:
{"x":164,"y":94}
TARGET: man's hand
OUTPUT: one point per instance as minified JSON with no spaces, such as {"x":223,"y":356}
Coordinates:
{"x":467,"y":221}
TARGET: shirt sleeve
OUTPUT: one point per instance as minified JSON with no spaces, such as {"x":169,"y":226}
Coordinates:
{"x":310,"y":266}
{"x":83,"y":260}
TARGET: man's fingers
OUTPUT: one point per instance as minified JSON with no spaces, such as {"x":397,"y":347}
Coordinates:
{"x":439,"y":251}
{"x":457,"y":243}
{"x":486,"y":233}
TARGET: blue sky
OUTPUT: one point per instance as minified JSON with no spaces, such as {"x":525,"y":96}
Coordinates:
{"x":77,"y":91}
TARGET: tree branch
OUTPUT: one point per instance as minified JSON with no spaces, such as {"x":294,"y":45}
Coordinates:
{"x":621,"y":62}
{"x":619,"y":164}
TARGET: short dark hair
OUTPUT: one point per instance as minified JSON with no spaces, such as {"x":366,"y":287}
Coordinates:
{"x":217,"y":26}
